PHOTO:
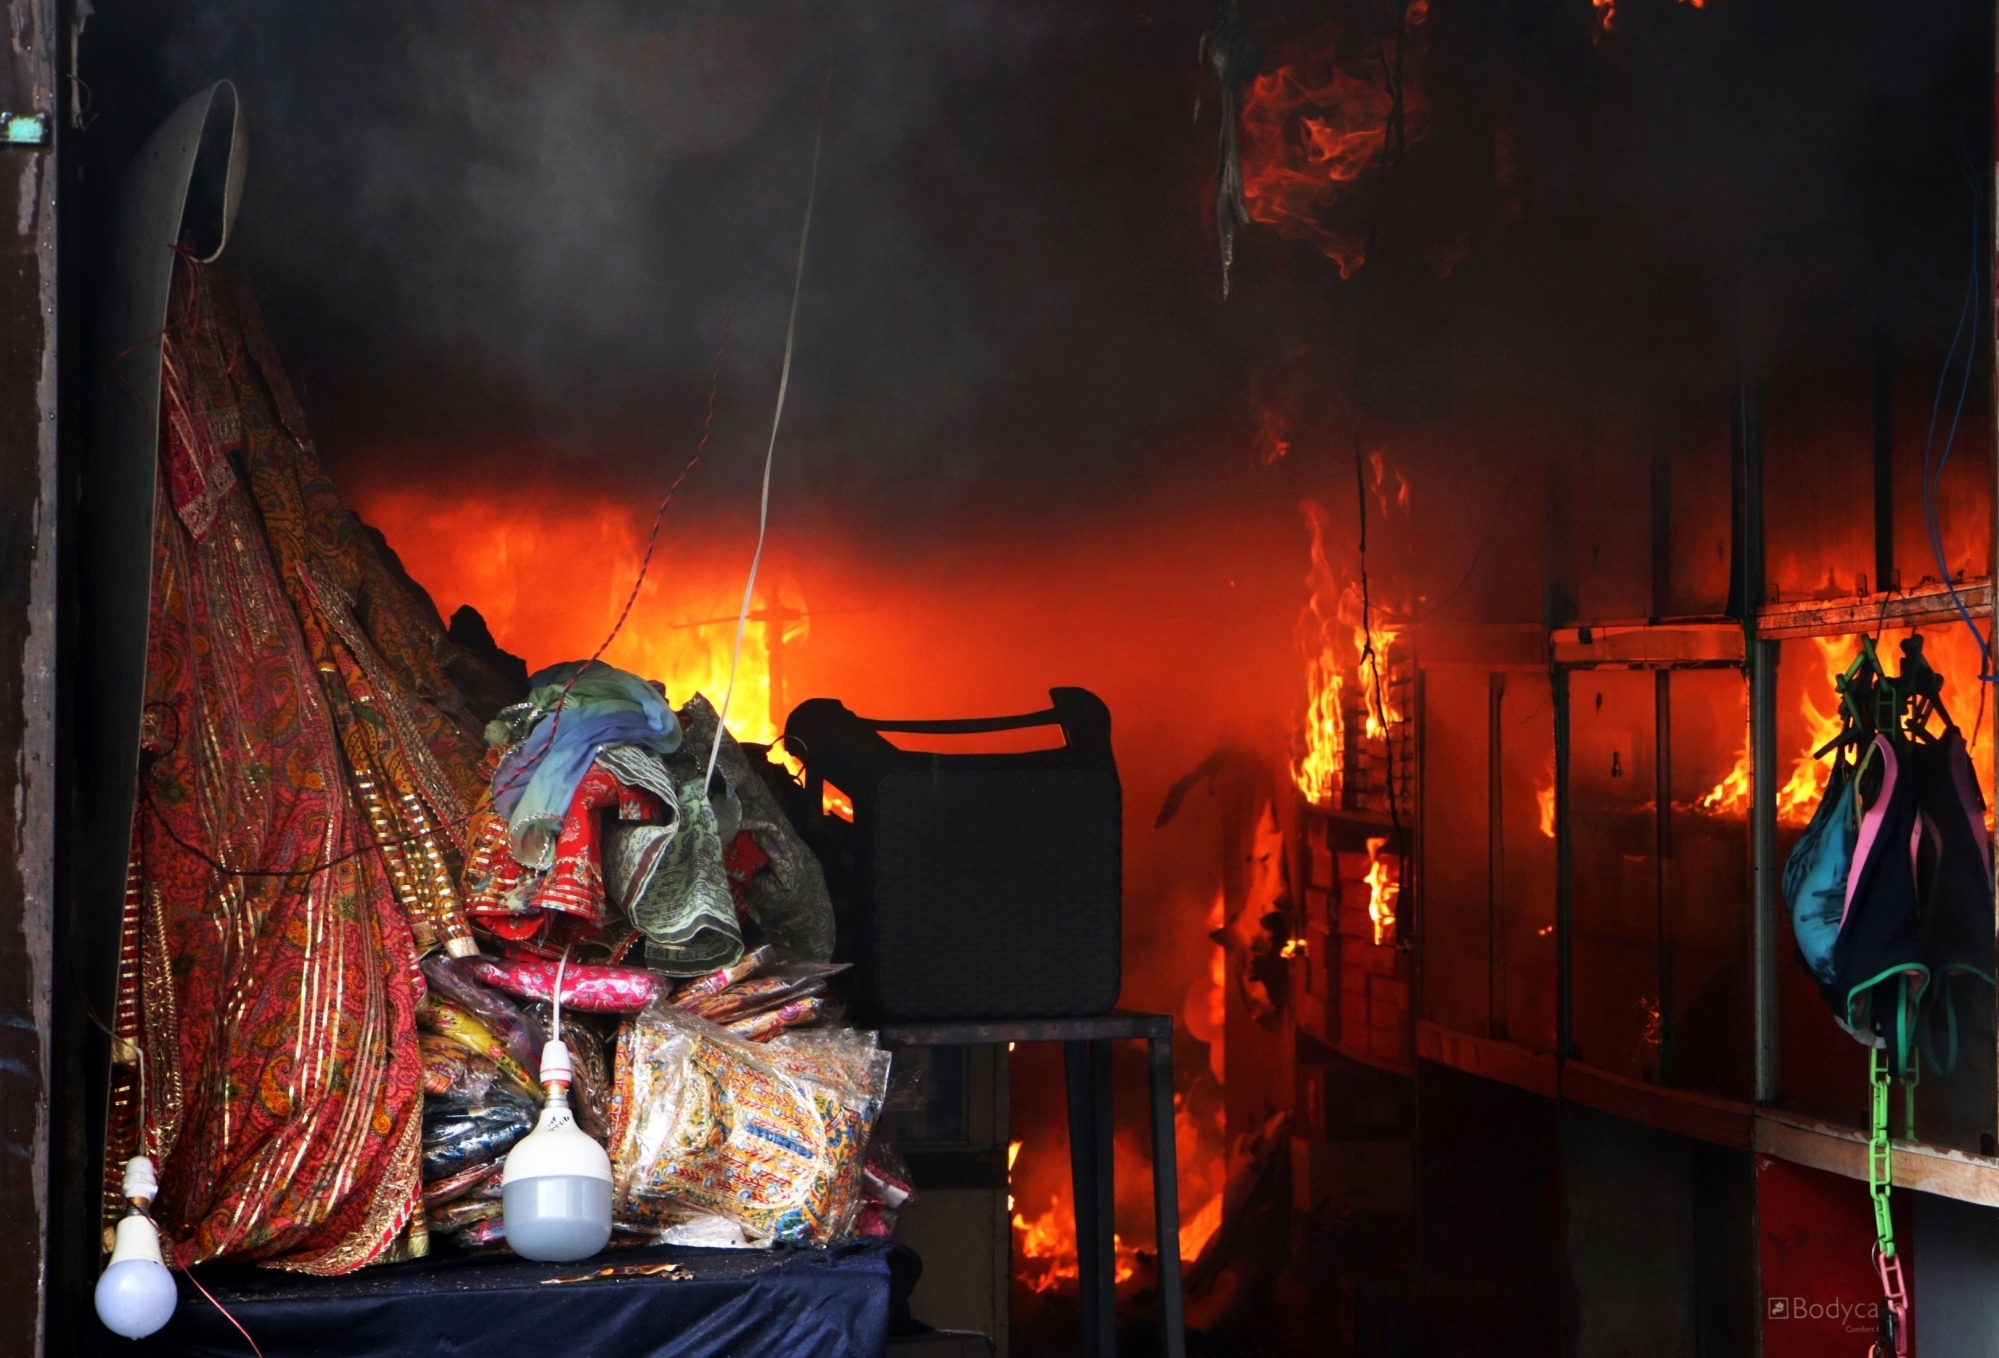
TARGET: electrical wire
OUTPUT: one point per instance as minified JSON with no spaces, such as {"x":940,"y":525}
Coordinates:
{"x":770,"y":451}
{"x":1371,"y":658}
{"x":560,"y":966}
{"x":631,"y":599}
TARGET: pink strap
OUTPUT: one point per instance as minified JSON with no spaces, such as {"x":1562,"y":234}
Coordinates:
{"x":1870,"y":822}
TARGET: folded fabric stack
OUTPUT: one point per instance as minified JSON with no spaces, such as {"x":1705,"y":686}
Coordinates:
{"x":605,"y":828}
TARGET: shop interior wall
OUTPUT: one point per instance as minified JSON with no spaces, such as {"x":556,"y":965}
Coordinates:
{"x":1660,"y":1233}
{"x":1489,"y":1190}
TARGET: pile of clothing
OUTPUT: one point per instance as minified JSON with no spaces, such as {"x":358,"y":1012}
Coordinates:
{"x":607,"y":827}
{"x":365,"y":845}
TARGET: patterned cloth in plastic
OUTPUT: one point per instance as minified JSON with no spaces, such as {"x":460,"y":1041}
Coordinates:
{"x":771,"y":1136}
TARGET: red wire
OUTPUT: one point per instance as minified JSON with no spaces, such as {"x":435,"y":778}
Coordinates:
{"x":645,"y":564}
{"x":225,"y":1312}
{"x":652,"y":539}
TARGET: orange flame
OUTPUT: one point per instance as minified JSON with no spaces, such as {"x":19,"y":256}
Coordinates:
{"x":1333,"y":634}
{"x":1315,"y":122}
{"x":1730,"y":797}
{"x":1197,"y":1230}
{"x":1544,"y":802}
{"x":1273,"y":436}
{"x":1048,"y":1245}
{"x":833,"y":802}
{"x":497,"y":551}
{"x":1382,"y":889}
{"x":1953,"y":657}
{"x":1799,"y":796}
{"x":1319,"y":768}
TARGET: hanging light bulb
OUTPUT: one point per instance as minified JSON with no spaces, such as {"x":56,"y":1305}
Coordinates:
{"x":136,"y":1294}
{"x":556,"y":1187}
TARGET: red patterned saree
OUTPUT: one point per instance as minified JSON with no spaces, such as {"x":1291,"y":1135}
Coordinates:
{"x":305,"y":767}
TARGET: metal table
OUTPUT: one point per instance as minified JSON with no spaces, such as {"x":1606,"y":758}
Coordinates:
{"x":1086,"y":1054}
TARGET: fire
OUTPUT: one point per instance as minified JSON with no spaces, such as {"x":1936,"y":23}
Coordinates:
{"x":1953,"y":654}
{"x":833,"y":802}
{"x":1333,"y":632}
{"x":499,"y":552}
{"x":1317,"y":121}
{"x":1384,"y":469}
{"x":1730,"y":797}
{"x":1198,"y":1229}
{"x":1048,"y":1245}
{"x":1382,"y":711}
{"x":1319,"y":769}
{"x":1544,"y":802}
{"x":1799,"y":796}
{"x":1382,"y":890}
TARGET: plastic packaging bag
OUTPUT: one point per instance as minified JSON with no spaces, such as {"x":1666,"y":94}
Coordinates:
{"x":459,"y":1133}
{"x":776,"y":985}
{"x":448,"y":1020}
{"x":444,"y":1063}
{"x":771,"y":1136}
{"x":715,"y":982}
{"x":762,"y":1027}
{"x":440,"y":1191}
{"x":463,"y":1213}
{"x":885,"y":1174}
{"x":454,"y":980}
{"x":590,"y":1083}
{"x":492,"y":1231}
{"x":587,"y":989}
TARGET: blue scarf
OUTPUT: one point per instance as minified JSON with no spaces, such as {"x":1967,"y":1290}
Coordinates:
{"x":538,"y":778}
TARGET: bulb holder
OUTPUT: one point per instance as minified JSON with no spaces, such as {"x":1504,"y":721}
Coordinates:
{"x":136,"y":1295}
{"x":142,"y":1184}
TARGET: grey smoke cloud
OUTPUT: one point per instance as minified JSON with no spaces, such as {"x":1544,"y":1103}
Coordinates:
{"x":532,"y":219}
{"x":520,"y":223}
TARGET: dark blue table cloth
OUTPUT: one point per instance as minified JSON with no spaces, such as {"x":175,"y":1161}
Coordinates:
{"x":740,"y":1303}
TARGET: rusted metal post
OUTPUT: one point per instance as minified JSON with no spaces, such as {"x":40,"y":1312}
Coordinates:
{"x":28,"y":507}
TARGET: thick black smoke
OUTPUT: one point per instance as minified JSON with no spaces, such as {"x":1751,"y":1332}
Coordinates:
{"x":520,"y":227}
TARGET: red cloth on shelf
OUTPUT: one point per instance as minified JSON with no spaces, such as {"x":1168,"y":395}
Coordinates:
{"x":567,"y":902}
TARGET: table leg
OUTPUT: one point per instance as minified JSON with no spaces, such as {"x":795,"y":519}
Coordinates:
{"x":1078,"y":1067}
{"x":1105,"y":1244}
{"x":1166,"y":1196}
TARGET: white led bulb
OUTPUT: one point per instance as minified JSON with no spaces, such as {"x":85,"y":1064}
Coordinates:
{"x":556,"y":1187}
{"x":136,"y":1294}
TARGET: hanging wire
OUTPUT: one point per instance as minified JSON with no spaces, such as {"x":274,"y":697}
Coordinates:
{"x":1370,"y":657}
{"x":770,"y":451}
{"x":624,"y":614}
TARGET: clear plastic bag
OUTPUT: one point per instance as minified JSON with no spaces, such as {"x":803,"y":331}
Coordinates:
{"x":770,"y":1135}
{"x":776,"y":985}
{"x":457,"y":1024}
{"x":460,"y":1131}
{"x":452,"y":978}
